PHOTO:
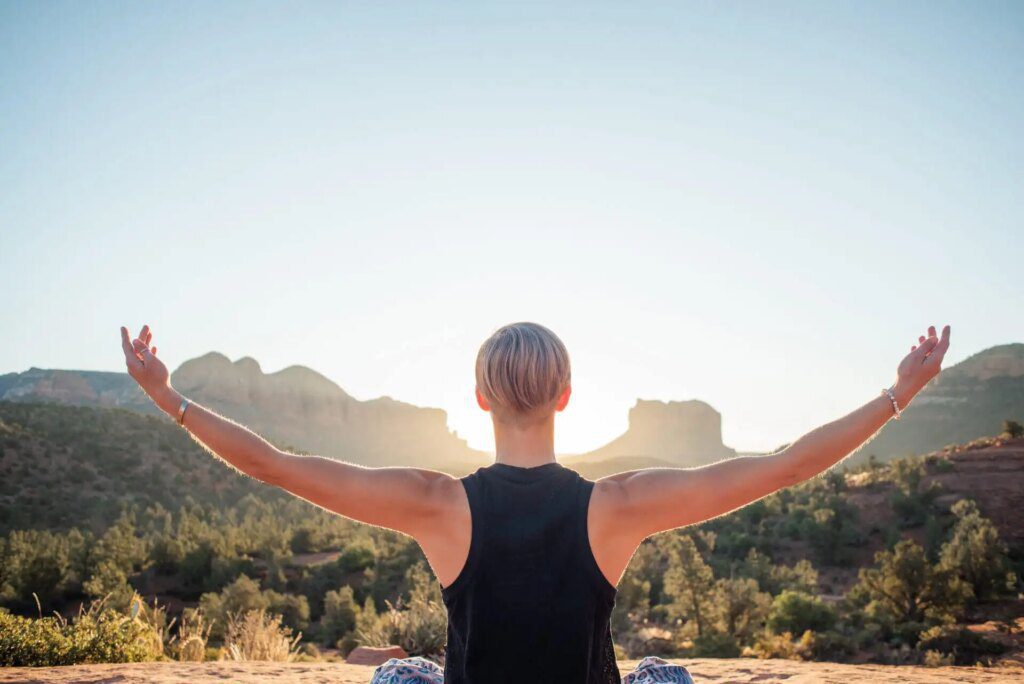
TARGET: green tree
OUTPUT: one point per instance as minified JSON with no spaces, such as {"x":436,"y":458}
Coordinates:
{"x":33,"y":561}
{"x":912,"y":501}
{"x":739,"y":607}
{"x":241,"y":596}
{"x":340,"y":614}
{"x":796,"y":612}
{"x":632,"y":602}
{"x":689,"y":582}
{"x":906,"y":588}
{"x":1013,"y":429}
{"x":777,"y":578}
{"x":976,"y":554}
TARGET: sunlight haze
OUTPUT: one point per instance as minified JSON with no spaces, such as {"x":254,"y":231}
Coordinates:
{"x":755,"y":208}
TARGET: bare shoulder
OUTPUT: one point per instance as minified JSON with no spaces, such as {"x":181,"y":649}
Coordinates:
{"x":608,"y":502}
{"x":445,"y":531}
{"x":445,"y":497}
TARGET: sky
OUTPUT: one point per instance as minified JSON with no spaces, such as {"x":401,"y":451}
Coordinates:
{"x":759,"y":205}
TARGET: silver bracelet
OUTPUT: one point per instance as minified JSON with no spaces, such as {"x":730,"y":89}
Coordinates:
{"x":892,"y":399}
{"x":181,"y":411}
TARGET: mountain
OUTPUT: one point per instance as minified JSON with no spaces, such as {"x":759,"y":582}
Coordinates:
{"x":300,"y":408}
{"x":678,"y":433}
{"x":80,"y":388}
{"x":296,"y":407}
{"x":967,"y":401}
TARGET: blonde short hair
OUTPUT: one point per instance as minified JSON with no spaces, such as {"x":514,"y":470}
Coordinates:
{"x":522,"y":370}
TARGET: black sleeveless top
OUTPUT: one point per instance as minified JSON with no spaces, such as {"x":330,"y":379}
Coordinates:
{"x":531,"y":604}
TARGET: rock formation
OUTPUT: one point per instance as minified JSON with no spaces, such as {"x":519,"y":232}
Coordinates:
{"x":682,"y":433}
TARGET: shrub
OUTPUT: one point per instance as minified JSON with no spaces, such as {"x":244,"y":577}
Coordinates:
{"x":255,"y":635}
{"x":421,"y":629}
{"x":340,"y":612}
{"x":961,"y":644}
{"x":716,"y":645}
{"x":770,"y":645}
{"x":905,"y":589}
{"x":193,"y":634}
{"x":97,"y":635}
{"x":740,"y":607}
{"x":832,"y":645}
{"x":1013,"y":429}
{"x":797,"y":612}
{"x":976,"y":554}
{"x":936,"y":659}
{"x":32,"y":643}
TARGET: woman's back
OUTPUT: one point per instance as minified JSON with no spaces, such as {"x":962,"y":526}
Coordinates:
{"x":531,"y":603}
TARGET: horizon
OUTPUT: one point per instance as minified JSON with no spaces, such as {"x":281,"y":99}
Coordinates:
{"x":753,"y":208}
{"x":490,"y":449}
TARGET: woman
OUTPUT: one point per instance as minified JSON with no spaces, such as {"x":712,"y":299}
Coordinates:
{"x":528,"y":553}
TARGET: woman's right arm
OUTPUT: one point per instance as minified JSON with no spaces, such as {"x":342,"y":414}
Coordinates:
{"x":414,"y":501}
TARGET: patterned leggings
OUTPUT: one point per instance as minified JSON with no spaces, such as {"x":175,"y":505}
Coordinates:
{"x":651,"y":670}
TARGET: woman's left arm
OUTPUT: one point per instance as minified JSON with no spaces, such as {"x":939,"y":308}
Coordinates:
{"x":637,"y":504}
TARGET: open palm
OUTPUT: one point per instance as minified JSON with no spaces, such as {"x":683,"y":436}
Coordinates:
{"x":924,"y":360}
{"x":143,"y":365}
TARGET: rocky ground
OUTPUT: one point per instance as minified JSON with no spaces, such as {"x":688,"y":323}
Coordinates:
{"x":703,"y":670}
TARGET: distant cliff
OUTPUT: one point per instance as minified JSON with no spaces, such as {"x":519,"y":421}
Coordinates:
{"x":300,"y":408}
{"x":296,"y":407}
{"x":680,"y":433}
{"x":967,"y":401}
{"x":80,"y":388}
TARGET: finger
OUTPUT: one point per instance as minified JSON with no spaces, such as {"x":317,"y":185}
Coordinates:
{"x":142,"y":350}
{"x":126,"y":344}
{"x":148,"y":355}
{"x":942,"y":346}
{"x":926,"y":346}
{"x":149,"y":338}
{"x":153,"y":349}
{"x":144,"y":335}
{"x":931,"y":331}
{"x":921,"y":339}
{"x":130,"y":356}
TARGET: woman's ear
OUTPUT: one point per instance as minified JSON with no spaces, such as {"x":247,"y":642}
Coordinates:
{"x":563,"y":400}
{"x":481,"y":400}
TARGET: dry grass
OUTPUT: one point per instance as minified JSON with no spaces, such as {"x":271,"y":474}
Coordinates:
{"x":256,"y":635}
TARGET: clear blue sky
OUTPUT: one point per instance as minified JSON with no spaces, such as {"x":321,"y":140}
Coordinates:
{"x":755,"y":204}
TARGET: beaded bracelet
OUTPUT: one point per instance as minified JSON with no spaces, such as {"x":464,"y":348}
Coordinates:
{"x":892,"y":398}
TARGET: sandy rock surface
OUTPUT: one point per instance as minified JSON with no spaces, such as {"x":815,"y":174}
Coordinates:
{"x":705,"y":670}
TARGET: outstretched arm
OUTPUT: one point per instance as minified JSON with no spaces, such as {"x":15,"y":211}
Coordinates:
{"x":632,"y":506}
{"x":416,"y":499}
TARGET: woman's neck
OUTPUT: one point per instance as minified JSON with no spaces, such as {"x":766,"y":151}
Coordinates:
{"x":525,"y":447}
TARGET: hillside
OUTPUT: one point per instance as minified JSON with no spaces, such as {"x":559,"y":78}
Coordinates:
{"x":63,"y":466}
{"x":967,"y":401}
{"x":200,"y":534}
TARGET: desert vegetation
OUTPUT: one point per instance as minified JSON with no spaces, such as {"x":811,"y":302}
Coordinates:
{"x":134,"y":567}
